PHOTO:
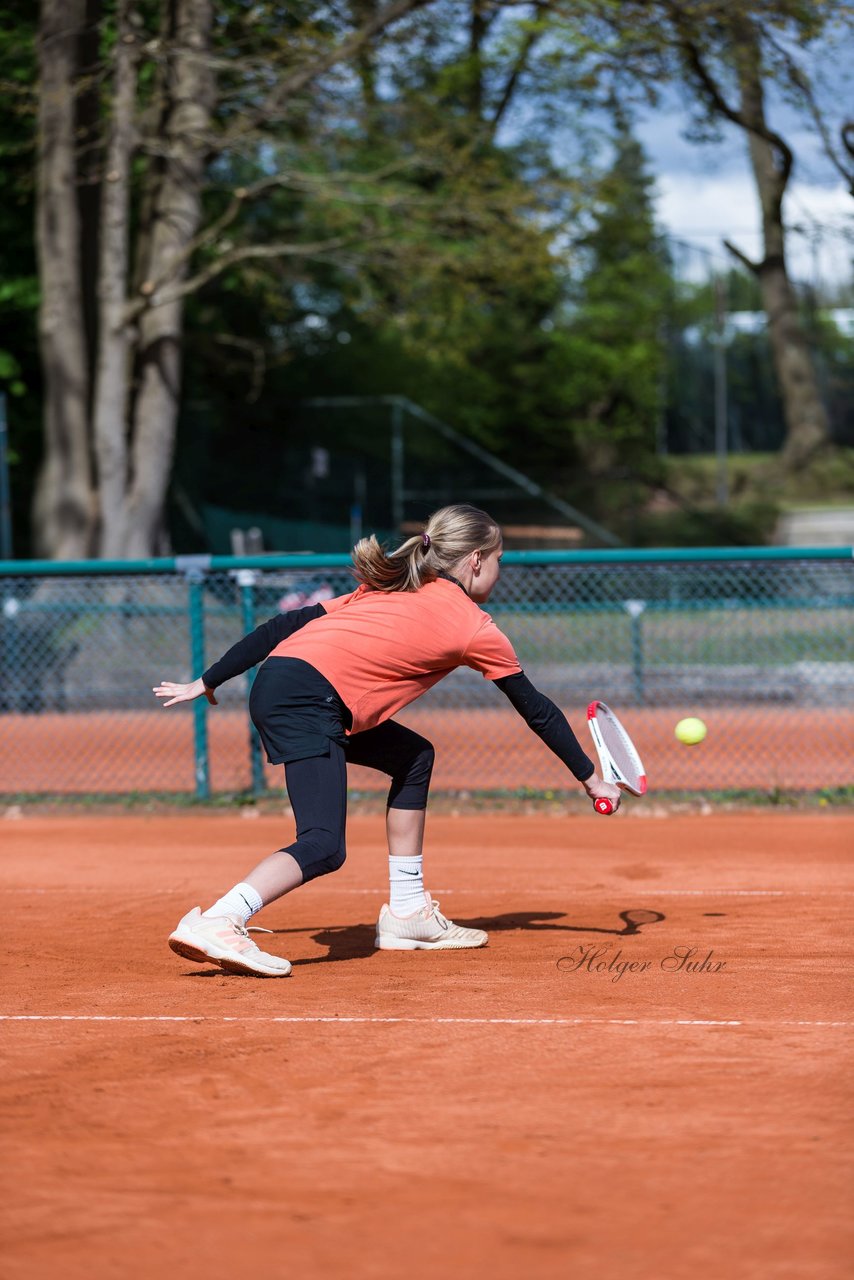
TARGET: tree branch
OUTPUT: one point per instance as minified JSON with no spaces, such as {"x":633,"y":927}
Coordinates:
{"x":255,"y":351}
{"x":242,"y":195}
{"x":518,"y":68}
{"x":298,"y":79}
{"x":847,"y":135}
{"x":715,"y":96}
{"x":243,"y":253}
{"x":802,"y":84}
{"x":754,"y":267}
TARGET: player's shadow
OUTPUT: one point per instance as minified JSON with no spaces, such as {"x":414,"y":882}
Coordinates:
{"x":356,"y":942}
{"x":349,"y":942}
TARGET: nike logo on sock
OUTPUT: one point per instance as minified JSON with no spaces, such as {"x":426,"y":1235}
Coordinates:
{"x":408,"y":873}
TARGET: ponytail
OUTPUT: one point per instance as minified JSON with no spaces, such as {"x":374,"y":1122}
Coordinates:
{"x":449,"y":536}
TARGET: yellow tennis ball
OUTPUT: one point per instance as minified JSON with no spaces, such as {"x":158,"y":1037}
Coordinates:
{"x":690,"y":731}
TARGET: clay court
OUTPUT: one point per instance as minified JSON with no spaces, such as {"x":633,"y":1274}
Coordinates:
{"x":536,"y":1108}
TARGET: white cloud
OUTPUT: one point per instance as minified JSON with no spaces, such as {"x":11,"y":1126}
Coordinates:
{"x":703,"y":210}
{"x":706,"y":193}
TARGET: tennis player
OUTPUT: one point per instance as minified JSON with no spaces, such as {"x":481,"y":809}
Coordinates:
{"x":333,"y":676}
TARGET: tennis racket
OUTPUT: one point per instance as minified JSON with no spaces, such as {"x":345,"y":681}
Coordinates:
{"x":618,"y":757}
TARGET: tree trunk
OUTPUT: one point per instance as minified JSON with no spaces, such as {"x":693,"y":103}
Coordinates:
{"x":807,"y":427}
{"x":62,"y":511}
{"x":90,"y":167}
{"x":365,"y":59}
{"x":109,"y":412}
{"x":478,"y":27}
{"x":176,"y":217}
{"x":128,"y":421}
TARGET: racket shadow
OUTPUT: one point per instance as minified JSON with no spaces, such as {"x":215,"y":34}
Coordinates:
{"x":356,"y":941}
{"x":634,"y":919}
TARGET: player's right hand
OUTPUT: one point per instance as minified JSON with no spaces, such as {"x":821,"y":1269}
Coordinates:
{"x":183,"y":692}
{"x":597,"y":789}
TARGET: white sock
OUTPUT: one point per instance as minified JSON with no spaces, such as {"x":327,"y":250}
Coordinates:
{"x":406,"y":885}
{"x":242,"y":901}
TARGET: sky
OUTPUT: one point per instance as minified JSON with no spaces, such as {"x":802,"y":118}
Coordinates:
{"x":706,"y":192}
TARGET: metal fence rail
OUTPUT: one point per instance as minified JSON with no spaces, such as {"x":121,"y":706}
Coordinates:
{"x":756,"y":642}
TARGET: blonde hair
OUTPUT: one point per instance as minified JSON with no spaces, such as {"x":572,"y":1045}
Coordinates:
{"x":449,"y":535}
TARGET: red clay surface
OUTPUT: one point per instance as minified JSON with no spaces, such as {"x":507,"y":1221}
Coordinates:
{"x":747,"y":747}
{"x":488,"y":1114}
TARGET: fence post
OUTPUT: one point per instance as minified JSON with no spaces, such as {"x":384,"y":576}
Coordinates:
{"x":635,"y":608}
{"x":194,"y":568}
{"x":14,"y":696}
{"x":246,"y":579}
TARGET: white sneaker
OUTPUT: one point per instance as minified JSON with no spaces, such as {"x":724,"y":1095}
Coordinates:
{"x":426,"y":930}
{"x":226,"y":941}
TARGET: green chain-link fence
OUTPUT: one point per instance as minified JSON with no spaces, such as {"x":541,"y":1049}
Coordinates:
{"x":757,"y":642}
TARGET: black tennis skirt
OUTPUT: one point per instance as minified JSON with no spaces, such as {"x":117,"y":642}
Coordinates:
{"x":296,"y":711}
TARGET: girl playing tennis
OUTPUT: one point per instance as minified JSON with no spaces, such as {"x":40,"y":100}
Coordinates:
{"x":333,"y":676}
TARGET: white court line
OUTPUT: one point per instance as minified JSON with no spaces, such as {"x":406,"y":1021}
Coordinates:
{"x":477,"y":1022}
{"x":649,"y":890}
{"x":730,"y":893}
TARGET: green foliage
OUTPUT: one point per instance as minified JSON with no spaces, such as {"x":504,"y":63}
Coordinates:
{"x":20,"y":374}
{"x":692,"y":479}
{"x":611,"y":347}
{"x":432,"y":251}
{"x":739,"y":524}
{"x":451,"y":296}
{"x":517,"y":301}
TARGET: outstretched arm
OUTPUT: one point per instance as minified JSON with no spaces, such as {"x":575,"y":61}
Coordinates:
{"x":550,"y":724}
{"x":247,"y":653}
{"x":255,"y":647}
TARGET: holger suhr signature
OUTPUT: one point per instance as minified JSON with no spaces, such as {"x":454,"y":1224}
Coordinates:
{"x":599,"y":960}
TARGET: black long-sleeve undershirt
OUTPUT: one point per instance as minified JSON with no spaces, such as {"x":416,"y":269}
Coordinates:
{"x":548,"y":722}
{"x":259,"y":644}
{"x":538,"y":711}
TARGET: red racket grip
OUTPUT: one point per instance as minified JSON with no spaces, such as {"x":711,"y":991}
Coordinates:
{"x":603,"y":805}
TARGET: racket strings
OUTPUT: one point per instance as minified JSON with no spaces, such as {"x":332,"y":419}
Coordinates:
{"x":620,"y":747}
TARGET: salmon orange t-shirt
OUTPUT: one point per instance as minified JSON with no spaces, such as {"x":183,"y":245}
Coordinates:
{"x":382,"y":649}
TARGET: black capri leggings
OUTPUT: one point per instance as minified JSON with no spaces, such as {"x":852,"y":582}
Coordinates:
{"x":317,"y":789}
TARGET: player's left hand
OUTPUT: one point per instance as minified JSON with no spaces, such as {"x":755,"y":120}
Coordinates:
{"x":183,"y":692}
